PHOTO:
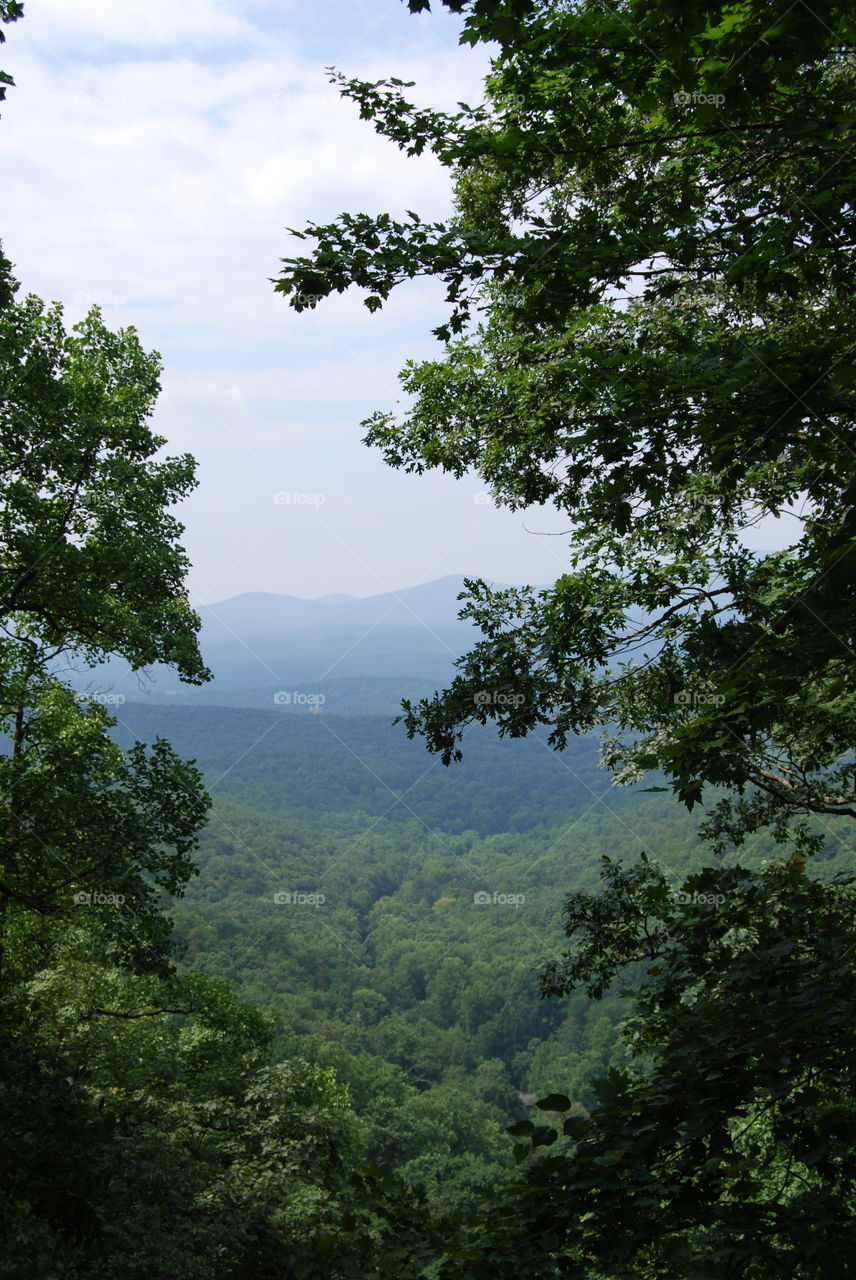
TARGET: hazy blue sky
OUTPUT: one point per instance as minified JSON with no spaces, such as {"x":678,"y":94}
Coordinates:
{"x":152,"y":155}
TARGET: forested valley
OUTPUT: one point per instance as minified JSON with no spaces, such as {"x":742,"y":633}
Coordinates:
{"x":540,"y":963}
{"x":397,"y":934}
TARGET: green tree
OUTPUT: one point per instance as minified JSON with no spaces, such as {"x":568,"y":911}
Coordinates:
{"x":727,"y":1147}
{"x":91,"y":561}
{"x":10,"y":11}
{"x":90,"y":566}
{"x":650,"y":262}
{"x":149,"y":1133}
{"x":92,"y":837}
{"x":8,"y":284}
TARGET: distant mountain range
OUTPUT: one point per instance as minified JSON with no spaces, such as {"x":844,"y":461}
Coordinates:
{"x":266,"y":617}
{"x":340,"y":654}
{"x":354,"y":655}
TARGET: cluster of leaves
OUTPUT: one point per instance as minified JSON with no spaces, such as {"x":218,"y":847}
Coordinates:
{"x":91,"y":832}
{"x":653,"y":219}
{"x":149,"y":1132}
{"x":90,"y":565}
{"x":89,"y":523}
{"x":729,"y":1146}
{"x":10,"y":11}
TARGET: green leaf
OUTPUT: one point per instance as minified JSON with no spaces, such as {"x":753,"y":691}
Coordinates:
{"x":554,"y":1102}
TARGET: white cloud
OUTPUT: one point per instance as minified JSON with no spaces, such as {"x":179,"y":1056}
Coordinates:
{"x":175,"y":181}
{"x":93,"y":25}
{"x":151,"y":157}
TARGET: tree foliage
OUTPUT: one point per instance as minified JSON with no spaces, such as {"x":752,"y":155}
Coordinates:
{"x":149,"y":1132}
{"x":10,"y":11}
{"x":90,"y":566}
{"x":727,"y":1147}
{"x":91,"y":559}
{"x":650,"y":269}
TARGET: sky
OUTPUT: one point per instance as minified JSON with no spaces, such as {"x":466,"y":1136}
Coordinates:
{"x":152,"y":157}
